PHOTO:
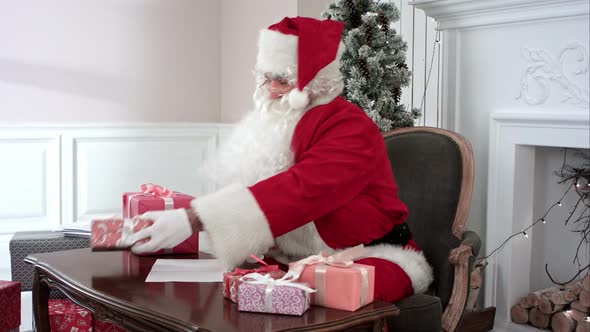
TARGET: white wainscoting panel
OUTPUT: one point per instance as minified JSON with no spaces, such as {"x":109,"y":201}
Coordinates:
{"x":55,"y":175}
{"x":29,"y":179}
{"x":107,"y":163}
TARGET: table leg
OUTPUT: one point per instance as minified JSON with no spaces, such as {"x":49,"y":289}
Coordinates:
{"x":41,"y":303}
{"x":379,"y":325}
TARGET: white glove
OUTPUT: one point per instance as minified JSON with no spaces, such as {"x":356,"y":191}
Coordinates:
{"x":170,"y":228}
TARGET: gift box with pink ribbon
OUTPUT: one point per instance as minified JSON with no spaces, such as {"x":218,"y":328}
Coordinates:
{"x":262,"y":293}
{"x":154,"y":197}
{"x":112,"y":233}
{"x":231,"y":280}
{"x":340,"y":283}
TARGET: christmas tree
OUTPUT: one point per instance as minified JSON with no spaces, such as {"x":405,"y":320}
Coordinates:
{"x":374,"y":64}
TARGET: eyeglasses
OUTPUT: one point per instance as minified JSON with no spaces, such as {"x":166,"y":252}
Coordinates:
{"x":281,"y":78}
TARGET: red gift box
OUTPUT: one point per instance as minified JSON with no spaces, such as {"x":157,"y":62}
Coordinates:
{"x":9,"y":305}
{"x":156,"y":198}
{"x":66,"y":316}
{"x":112,"y":233}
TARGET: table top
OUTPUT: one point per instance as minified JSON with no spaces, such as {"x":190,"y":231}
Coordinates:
{"x":117,"y":278}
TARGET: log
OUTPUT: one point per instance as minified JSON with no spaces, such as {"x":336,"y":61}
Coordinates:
{"x":570,"y":295}
{"x":519,"y":314}
{"x":547,"y":307}
{"x":575,"y":287}
{"x":579,"y":307}
{"x":578,"y":316}
{"x":523,"y":303}
{"x":539,"y":319}
{"x":533,"y":297}
{"x":563,"y":297}
{"x":583,"y":326}
{"x":585,"y":298}
{"x":563,"y":322}
{"x":586,"y":282}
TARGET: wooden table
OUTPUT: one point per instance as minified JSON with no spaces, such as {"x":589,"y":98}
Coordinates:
{"x":111,"y":284}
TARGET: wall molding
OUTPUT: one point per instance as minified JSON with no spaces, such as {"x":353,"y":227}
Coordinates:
{"x":460,"y":14}
{"x":79,"y":176}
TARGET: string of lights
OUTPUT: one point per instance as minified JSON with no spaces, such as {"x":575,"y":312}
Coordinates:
{"x":580,"y":182}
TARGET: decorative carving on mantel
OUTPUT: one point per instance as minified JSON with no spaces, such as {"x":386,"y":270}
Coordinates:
{"x":544,"y":71}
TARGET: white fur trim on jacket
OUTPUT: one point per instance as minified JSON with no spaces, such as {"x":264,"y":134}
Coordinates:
{"x":235,"y":224}
{"x":305,"y":241}
{"x":412,"y":262}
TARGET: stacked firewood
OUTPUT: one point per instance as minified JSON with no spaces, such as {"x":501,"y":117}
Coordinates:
{"x":561,"y":308}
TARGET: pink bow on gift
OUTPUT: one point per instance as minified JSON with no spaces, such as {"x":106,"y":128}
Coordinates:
{"x":266,"y":268}
{"x":343,"y":258}
{"x":156,"y":190}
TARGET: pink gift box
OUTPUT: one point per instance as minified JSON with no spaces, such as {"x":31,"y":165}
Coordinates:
{"x":157,"y":198}
{"x":344,"y":288}
{"x":136,"y":203}
{"x":231,"y":280}
{"x":281,"y":300}
{"x":112,"y":233}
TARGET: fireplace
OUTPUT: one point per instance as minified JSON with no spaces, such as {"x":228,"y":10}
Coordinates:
{"x":514,"y":138}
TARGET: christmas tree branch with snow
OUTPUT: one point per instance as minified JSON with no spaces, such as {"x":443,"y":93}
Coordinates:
{"x":374,"y":64}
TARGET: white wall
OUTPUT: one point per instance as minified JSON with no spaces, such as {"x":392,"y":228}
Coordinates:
{"x":553,"y":242}
{"x":67,"y":61}
{"x":312,"y":8}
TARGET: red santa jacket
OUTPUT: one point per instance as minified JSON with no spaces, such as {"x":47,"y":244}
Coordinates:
{"x":340,"y":192}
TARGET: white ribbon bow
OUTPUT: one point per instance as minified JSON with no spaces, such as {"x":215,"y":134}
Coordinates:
{"x":270,"y":282}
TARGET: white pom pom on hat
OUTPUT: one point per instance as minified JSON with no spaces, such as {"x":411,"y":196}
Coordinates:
{"x":298,"y":99}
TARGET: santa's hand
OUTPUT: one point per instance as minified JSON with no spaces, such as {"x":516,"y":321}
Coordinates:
{"x":170,"y":228}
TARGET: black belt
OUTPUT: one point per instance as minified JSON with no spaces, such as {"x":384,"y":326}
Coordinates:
{"x":400,"y":235}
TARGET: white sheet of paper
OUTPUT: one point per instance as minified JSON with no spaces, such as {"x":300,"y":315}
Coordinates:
{"x":186,"y":270}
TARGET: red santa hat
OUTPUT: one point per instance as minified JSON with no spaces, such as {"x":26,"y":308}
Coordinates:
{"x":307,"y":47}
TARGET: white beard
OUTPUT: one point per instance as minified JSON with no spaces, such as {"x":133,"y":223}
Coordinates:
{"x":259,"y":146}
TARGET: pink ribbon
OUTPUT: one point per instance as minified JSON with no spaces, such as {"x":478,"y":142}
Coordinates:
{"x":266,"y":268}
{"x":156,"y":190}
{"x":344,"y":258}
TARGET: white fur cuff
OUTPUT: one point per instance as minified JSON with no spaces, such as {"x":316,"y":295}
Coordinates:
{"x":412,"y":262}
{"x":235,"y":224}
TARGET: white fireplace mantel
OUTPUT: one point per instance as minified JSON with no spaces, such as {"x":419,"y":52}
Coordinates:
{"x":455,"y":14}
{"x":513,"y":138}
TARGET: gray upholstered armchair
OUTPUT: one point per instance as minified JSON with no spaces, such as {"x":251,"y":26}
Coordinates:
{"x":434,"y":171}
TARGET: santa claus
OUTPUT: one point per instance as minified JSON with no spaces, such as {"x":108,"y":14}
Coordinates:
{"x":305,"y":172}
